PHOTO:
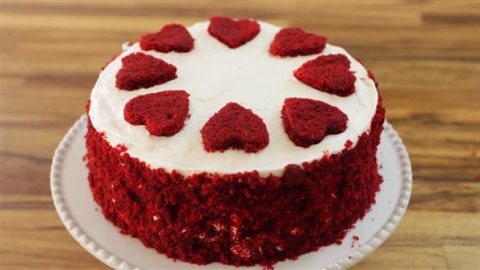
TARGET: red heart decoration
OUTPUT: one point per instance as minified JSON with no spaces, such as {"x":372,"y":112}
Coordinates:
{"x":163,"y":113}
{"x":234,"y":127}
{"x":172,"y":37}
{"x":233,"y":33}
{"x":142,"y":71}
{"x":295,"y":41}
{"x":329,"y":73}
{"x":308,"y":121}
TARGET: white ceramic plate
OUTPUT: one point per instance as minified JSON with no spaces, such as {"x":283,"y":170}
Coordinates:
{"x":85,"y":222}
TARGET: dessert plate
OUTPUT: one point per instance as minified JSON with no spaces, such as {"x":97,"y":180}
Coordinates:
{"x":85,"y":222}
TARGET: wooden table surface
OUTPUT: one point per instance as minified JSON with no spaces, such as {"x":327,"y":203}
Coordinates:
{"x":426,"y":55}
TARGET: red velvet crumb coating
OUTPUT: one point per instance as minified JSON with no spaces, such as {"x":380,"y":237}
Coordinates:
{"x":234,"y":127}
{"x":140,"y":70}
{"x":163,"y":113}
{"x":329,"y":73}
{"x":233,"y":33}
{"x":172,"y":37}
{"x":307,"y":121}
{"x":238,"y":219}
{"x":295,"y":41}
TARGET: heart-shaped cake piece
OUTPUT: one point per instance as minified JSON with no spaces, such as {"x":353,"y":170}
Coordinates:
{"x":140,"y":70}
{"x":295,"y":41}
{"x":234,"y":127}
{"x":307,"y":121}
{"x":172,"y":37}
{"x":163,"y":113}
{"x":328,"y":73}
{"x":233,"y":33}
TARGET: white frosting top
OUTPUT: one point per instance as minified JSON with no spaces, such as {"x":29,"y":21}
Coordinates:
{"x":214,"y":75}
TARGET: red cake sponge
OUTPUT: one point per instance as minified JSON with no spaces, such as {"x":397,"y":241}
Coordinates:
{"x":329,"y":73}
{"x":163,"y":113}
{"x":142,"y":71}
{"x":233,"y":33}
{"x":308,"y":121}
{"x":295,"y":41}
{"x":172,"y":37}
{"x":234,"y":127}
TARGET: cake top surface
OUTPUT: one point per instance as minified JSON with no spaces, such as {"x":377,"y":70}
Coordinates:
{"x":213,"y":75}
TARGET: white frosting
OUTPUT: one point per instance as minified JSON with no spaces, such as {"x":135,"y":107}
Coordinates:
{"x":214,"y":75}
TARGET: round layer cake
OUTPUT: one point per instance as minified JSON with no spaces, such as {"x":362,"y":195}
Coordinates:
{"x":234,"y":141}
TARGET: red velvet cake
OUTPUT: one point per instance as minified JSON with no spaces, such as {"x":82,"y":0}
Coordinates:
{"x":234,"y":141}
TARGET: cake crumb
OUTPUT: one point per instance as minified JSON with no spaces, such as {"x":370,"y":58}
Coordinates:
{"x":348,"y":144}
{"x":354,"y":240}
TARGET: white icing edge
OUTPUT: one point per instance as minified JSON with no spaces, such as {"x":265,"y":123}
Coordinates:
{"x":184,"y":152}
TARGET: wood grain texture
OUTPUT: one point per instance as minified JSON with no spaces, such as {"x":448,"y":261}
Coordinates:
{"x":425,"y":53}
